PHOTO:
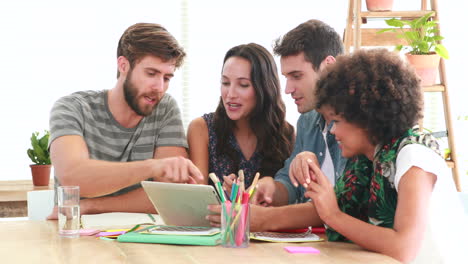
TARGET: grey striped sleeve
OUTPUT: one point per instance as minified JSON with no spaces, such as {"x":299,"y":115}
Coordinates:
{"x":66,"y":118}
{"x":172,"y":131}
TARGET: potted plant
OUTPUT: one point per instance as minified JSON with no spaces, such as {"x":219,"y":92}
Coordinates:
{"x":379,"y":5}
{"x":39,"y":154}
{"x":424,"y":45}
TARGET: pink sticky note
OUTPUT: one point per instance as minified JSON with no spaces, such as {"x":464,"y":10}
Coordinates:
{"x":111,"y":233}
{"x":88,"y":232}
{"x":309,"y":250}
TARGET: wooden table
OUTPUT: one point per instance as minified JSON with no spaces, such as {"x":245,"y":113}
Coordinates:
{"x":38,"y":242}
{"x":13,"y":197}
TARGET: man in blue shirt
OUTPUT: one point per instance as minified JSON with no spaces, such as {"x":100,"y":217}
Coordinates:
{"x":305,"y":51}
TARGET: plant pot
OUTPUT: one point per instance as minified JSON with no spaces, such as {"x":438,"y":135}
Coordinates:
{"x":379,"y":5}
{"x":426,"y":67}
{"x":40,"y":174}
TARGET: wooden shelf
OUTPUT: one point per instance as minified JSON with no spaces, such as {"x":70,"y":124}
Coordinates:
{"x":369,"y":37}
{"x":450,"y":164}
{"x":11,"y":191}
{"x":399,"y":14}
{"x":434,"y":88}
{"x":13,"y":196}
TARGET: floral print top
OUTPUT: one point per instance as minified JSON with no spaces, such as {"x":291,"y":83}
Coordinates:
{"x":366,"y":190}
{"x":222,"y":165}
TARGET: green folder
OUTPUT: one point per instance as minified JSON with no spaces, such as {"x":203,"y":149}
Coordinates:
{"x":204,"y":240}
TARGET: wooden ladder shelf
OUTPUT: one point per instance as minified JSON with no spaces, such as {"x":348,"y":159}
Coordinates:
{"x":355,"y":36}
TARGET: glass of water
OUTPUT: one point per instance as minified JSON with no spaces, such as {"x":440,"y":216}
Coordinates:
{"x":68,"y":211}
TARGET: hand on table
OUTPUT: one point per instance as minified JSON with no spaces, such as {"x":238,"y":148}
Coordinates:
{"x":83,"y":209}
{"x":265,"y":190}
{"x":176,"y":169}
{"x":255,"y":216}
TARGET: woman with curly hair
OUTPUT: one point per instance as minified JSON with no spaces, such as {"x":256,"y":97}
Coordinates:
{"x":248,"y":131}
{"x":396,"y":195}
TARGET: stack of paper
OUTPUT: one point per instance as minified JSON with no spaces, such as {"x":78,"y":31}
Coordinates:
{"x":118,"y":220}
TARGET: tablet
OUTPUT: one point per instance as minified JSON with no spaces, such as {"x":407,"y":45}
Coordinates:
{"x":181,"y":204}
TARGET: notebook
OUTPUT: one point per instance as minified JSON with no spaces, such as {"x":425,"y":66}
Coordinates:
{"x":118,"y":220}
{"x":199,"y":240}
{"x":181,"y":230}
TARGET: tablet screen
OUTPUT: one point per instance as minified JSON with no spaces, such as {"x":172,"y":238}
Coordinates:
{"x":181,"y":204}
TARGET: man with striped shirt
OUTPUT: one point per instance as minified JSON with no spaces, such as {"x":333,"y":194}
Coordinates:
{"x":108,"y":141}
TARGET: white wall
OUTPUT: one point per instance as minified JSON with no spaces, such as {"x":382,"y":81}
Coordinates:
{"x":51,"y":48}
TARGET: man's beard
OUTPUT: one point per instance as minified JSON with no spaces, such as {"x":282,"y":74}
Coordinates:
{"x":131,"y":96}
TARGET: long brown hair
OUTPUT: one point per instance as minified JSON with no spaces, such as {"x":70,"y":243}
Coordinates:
{"x":267,"y":120}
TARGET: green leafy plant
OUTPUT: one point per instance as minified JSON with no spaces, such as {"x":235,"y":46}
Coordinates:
{"x":39,"y":153}
{"x":421,"y":35}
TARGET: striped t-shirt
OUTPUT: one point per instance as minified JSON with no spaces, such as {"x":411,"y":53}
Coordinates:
{"x":87,"y":114}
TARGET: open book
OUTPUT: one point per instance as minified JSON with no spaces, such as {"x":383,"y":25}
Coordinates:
{"x":118,"y":220}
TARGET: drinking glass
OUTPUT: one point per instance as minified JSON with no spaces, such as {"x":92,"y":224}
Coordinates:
{"x":69,"y":211}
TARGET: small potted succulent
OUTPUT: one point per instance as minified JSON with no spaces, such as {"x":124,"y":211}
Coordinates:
{"x":423,"y":44}
{"x":39,"y":155}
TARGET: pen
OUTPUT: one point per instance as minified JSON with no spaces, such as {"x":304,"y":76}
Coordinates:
{"x":234,"y":192}
{"x":315,"y":230}
{"x":241,"y":181}
{"x":152,"y":218}
{"x":253,"y":190}
{"x":221,"y":191}
{"x":244,"y":210}
{"x":255,"y":180}
{"x":213,"y":177}
{"x":218,"y":186}
{"x":254,"y":184}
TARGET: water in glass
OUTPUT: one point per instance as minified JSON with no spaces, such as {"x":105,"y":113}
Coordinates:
{"x":69,"y":221}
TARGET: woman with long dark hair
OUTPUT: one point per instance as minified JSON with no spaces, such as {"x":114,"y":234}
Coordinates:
{"x":248,"y":131}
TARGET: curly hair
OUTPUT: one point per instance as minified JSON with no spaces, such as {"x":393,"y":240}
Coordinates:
{"x":374,"y":89}
{"x":315,"y":38}
{"x":144,"y":39}
{"x":267,"y":120}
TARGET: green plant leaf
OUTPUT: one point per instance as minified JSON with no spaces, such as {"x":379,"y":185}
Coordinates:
{"x":386,"y":30}
{"x":412,"y":36}
{"x":395,"y":22}
{"x":398,"y":47}
{"x":442,"y":51}
{"x":421,"y":37}
{"x":423,"y":47}
{"x":39,"y":154}
{"x":419,"y":22}
{"x":432,"y":23}
{"x":31,"y":156}
{"x":44,"y":141}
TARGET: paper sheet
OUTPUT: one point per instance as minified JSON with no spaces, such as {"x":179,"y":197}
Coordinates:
{"x":115,"y":220}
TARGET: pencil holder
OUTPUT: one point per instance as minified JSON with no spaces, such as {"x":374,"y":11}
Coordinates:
{"x":235,"y":225}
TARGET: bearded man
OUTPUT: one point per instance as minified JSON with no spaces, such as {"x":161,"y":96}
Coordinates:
{"x":108,"y":141}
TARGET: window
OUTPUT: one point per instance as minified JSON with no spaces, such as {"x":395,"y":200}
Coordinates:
{"x":53,"y":48}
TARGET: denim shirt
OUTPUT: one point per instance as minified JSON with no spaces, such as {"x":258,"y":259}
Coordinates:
{"x":310,"y":138}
